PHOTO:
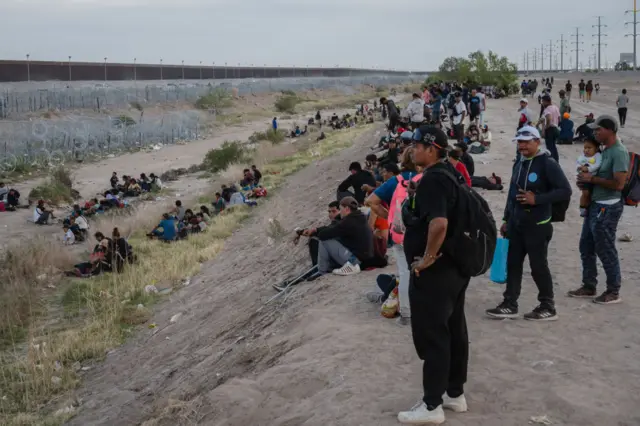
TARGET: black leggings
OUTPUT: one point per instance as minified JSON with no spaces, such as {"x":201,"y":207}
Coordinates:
{"x":622,"y":114}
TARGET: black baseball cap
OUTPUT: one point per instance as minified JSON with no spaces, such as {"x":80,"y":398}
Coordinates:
{"x":429,"y":135}
{"x":606,"y":122}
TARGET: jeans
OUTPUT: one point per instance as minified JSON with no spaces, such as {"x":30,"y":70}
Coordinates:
{"x":622,"y":114}
{"x":404,"y":276}
{"x":598,"y":238}
{"x":332,"y":254}
{"x":439,"y":330}
{"x":532,"y":241}
{"x":550,"y":137}
{"x":44,"y":218}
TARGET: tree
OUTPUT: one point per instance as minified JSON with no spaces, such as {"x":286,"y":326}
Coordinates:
{"x":623,"y":66}
{"x":479,"y":69}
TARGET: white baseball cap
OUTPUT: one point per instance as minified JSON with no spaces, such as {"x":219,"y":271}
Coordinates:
{"x":526,"y":133}
{"x":524,"y":100}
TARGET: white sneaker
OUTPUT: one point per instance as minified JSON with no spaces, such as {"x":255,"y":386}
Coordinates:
{"x":419,"y":415}
{"x":347,"y":269}
{"x":457,"y":405}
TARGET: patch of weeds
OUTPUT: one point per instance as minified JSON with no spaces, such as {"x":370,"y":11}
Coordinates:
{"x":123,"y":121}
{"x":217,"y":98}
{"x":56,"y":190}
{"x":218,"y":159}
{"x":287,"y":103}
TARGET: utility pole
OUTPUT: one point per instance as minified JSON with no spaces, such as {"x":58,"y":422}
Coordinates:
{"x":542,"y":57}
{"x":562,"y":47}
{"x":550,"y":54}
{"x":599,"y":35}
{"x":635,"y":32}
{"x":577,"y":49}
{"x":527,"y":62}
{"x":535,"y":59}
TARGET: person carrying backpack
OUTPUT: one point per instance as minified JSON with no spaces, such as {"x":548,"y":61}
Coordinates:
{"x":438,"y":248}
{"x":538,"y":187}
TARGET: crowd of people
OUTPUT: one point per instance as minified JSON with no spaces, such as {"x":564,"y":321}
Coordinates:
{"x":411,"y":199}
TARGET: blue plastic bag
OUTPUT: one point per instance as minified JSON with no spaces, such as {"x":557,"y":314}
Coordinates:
{"x":499,"y":264}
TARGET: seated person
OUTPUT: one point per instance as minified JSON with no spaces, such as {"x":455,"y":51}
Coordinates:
{"x":346,"y":244}
{"x":247,"y":179}
{"x":178,"y":211}
{"x":12,"y":200}
{"x":41,"y":214}
{"x":82,"y":225}
{"x":134,"y":189}
{"x":355,"y":181}
{"x":166,"y":229}
{"x":219,"y":204}
{"x":202,"y":222}
{"x":144,"y":182}
{"x":318,"y":116}
{"x":371,"y":164}
{"x":114,"y":180}
{"x":97,"y":264}
{"x":91,"y":207}
{"x":112,"y":198}
{"x":206,"y":213}
{"x":455,"y":156}
{"x":465,"y":157}
{"x":485,"y":136}
{"x":69,"y":237}
{"x":257,"y":176}
{"x":155,"y":183}
{"x":304,"y":131}
{"x":226,"y":192}
{"x":584,"y":132}
{"x":566,"y":130}
{"x":321,"y":137}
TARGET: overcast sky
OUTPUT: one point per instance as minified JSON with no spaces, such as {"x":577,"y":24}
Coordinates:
{"x":399,"y":34}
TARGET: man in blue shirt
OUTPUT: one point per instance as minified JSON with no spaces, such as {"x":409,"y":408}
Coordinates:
{"x":168,"y":227}
{"x":274,"y":123}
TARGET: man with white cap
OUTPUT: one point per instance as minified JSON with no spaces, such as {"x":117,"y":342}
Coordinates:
{"x":526,"y":117}
{"x":598,"y":236}
{"x":537,"y":182}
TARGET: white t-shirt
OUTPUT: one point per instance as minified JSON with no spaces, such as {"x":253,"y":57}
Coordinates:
{"x":36,"y":214}
{"x":69,"y":238}
{"x":459,"y":108}
{"x":82,"y":222}
{"x":482,"y":101}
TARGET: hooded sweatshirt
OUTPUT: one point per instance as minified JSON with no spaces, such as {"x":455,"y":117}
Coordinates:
{"x":543,"y":176}
{"x":415,"y":111}
{"x":353,"y":232}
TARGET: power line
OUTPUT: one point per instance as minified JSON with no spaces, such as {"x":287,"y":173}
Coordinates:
{"x":577,"y":48}
{"x":550,"y":54}
{"x":599,"y":35}
{"x":635,"y":32}
{"x":563,"y":46}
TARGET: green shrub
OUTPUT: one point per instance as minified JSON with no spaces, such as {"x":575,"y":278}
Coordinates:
{"x":56,"y":190}
{"x":217,"y":98}
{"x":257,"y":137}
{"x":123,"y":121}
{"x":218,"y":159}
{"x":287,"y":103}
{"x":288,"y":93}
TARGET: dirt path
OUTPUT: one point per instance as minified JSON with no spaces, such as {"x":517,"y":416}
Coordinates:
{"x":327,"y":357}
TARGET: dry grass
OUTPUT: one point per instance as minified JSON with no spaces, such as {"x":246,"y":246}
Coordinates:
{"x":96,"y":315}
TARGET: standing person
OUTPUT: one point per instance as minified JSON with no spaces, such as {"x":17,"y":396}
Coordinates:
{"x":415,"y":111}
{"x":537,"y":182}
{"x":621,"y":103}
{"x":565,"y":106}
{"x":598,"y":237}
{"x":459,"y":114}
{"x":597,"y":87}
{"x":589,"y":90}
{"x":581,"y":87}
{"x":436,"y":106}
{"x":567,"y":88}
{"x":437,"y":289}
{"x":474,"y":107}
{"x":274,"y":124}
{"x":525,"y":115}
{"x":483,"y":104}
{"x":392,"y":110}
{"x":551,"y":120}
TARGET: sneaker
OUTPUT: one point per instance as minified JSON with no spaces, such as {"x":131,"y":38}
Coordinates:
{"x":375,"y":296}
{"x":582,"y":292}
{"x":607,"y":298}
{"x":420,"y":414}
{"x":348,"y":269}
{"x":457,"y":405}
{"x":542,"y":313}
{"x":403,"y":320}
{"x":503,"y":311}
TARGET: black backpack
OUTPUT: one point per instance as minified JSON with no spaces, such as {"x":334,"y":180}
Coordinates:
{"x":473,"y":239}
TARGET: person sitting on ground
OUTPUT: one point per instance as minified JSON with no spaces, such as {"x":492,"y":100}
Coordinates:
{"x":227,"y":191}
{"x":98,"y":260}
{"x":202,"y":223}
{"x":112,"y":198}
{"x":485,"y":136}
{"x":206,"y":213}
{"x":156,"y":183}
{"x":371,"y":165}
{"x":121,"y":251}
{"x":566,"y":130}
{"x":584,"y":132}
{"x":219,"y":205}
{"x":466,"y":158}
{"x":3,"y":191}
{"x":144,"y":182}
{"x":334,"y":217}
{"x":69,"y":237}
{"x":114,"y":180}
{"x":178,"y":211}
{"x":12,"y":200}
{"x":355,"y":181}
{"x":258,"y":192}
{"x":134,"y":189}
{"x":247,"y":179}
{"x":321,"y":137}
{"x":346,"y":244}
{"x":166,"y":229}
{"x":257,"y":176}
{"x":455,"y":156}
{"x":41,"y":214}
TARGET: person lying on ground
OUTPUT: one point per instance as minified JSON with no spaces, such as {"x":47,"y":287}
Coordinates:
{"x":166,"y":229}
{"x":454,"y":158}
{"x":466,"y":158}
{"x":346,"y":244}
{"x":491,"y":183}
{"x":114,"y":180}
{"x":355,"y":181}
{"x":69,"y":237}
{"x":41,"y":214}
{"x":257,"y":176}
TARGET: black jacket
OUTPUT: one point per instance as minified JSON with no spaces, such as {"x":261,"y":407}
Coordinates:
{"x":467,"y":160}
{"x":543,"y":176}
{"x":392,"y":109}
{"x":353,"y":232}
{"x":356,"y":181}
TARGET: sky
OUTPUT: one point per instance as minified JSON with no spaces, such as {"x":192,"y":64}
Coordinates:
{"x":413,"y":35}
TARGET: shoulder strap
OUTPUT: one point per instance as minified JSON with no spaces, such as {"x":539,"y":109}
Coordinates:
{"x":446,"y":173}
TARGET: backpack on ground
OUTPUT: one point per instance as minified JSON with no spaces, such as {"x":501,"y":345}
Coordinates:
{"x":631,"y":190}
{"x":473,"y":240}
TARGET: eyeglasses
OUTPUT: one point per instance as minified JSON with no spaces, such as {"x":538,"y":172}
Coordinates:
{"x":527,"y":134}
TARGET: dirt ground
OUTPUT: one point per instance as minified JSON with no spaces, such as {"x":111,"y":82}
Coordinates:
{"x":325,"y":356}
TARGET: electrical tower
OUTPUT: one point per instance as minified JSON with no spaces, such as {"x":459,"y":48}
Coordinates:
{"x":542,"y":56}
{"x":562,"y":45}
{"x":577,"y":43}
{"x":635,"y":32}
{"x":550,"y":55}
{"x":535,"y":59}
{"x":599,"y":44}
